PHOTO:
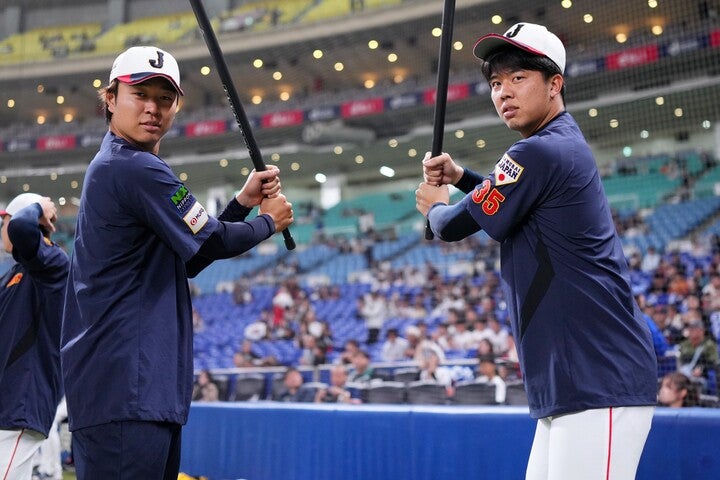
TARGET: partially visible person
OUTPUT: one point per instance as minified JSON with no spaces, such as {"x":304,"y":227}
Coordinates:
{"x":349,"y":350}
{"x":310,"y":352}
{"x":394,"y":346}
{"x":678,"y":390}
{"x":140,"y":234}
{"x":698,"y":353}
{"x":205,"y":389}
{"x":245,"y":357}
{"x":373,"y":308}
{"x":336,"y":392}
{"x":488,"y":373}
{"x":48,"y":459}
{"x":292,"y":388}
{"x":432,"y":370}
{"x":31,"y":298}
{"x":362,"y":371}
{"x":419,"y":344}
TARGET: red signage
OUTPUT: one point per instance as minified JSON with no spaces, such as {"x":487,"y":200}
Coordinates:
{"x":288,"y":118}
{"x":202,"y":129}
{"x":57,"y":142}
{"x":362,"y":107}
{"x":459,"y":91}
{"x":715,"y":38}
{"x":632,"y":57}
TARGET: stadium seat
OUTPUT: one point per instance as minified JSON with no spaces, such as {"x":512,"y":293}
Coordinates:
{"x":406,"y":375}
{"x":475,"y":393}
{"x":385,"y":392}
{"x":516,"y":394}
{"x":248,"y":387}
{"x":423,"y":392}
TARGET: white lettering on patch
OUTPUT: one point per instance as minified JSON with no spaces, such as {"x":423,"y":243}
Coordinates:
{"x":196,"y":218}
{"x":507,"y":170}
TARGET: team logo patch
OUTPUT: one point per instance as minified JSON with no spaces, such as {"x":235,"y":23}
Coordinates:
{"x":14,"y":280}
{"x":507,"y":171}
{"x":196,"y":217}
{"x":182,"y":199}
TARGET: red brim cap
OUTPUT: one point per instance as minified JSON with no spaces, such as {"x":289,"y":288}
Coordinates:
{"x":490,"y":42}
{"x":136,"y":78}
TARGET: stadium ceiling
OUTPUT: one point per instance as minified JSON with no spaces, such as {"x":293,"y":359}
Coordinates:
{"x":404,"y":31}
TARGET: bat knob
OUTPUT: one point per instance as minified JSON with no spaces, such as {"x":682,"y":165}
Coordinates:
{"x":429,"y":235}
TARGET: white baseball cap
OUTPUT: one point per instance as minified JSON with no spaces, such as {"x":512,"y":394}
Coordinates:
{"x":527,"y":36}
{"x":20,"y":202}
{"x":137,"y":64}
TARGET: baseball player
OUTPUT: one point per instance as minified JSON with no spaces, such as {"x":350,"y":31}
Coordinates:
{"x":127,"y":330}
{"x":585,"y":351}
{"x":31,"y":296}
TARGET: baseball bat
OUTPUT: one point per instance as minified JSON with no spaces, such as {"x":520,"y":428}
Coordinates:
{"x":442,"y":87}
{"x":232,"y":95}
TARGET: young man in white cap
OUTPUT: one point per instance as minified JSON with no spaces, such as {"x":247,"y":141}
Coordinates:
{"x":585,"y":351}
{"x":31,"y":296}
{"x":127,"y":330}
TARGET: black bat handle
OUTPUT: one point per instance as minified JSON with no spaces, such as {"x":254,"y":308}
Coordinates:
{"x":442,"y":87}
{"x":232,"y":95}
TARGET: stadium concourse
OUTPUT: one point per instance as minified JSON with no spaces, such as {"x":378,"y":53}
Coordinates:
{"x":340,"y":95}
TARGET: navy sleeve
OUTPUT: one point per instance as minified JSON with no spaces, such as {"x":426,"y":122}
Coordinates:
{"x":469,"y":180}
{"x":229,"y":240}
{"x":234,"y":212}
{"x":451,"y":222}
{"x":24,"y":231}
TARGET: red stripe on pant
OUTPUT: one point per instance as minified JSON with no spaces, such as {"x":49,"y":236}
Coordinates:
{"x":12,"y":457}
{"x":610,"y":431}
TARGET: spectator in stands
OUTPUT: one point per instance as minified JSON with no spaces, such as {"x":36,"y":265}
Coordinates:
{"x":394,"y":346}
{"x":419,"y":344}
{"x":350,"y":348}
{"x":336,"y":391}
{"x":441,"y":336}
{"x":431,"y":370}
{"x":372,"y":309}
{"x":281,"y":302}
{"x":241,"y":293}
{"x":31,"y":305}
{"x":488,"y":373}
{"x":677,"y":390}
{"x":660,"y":343}
{"x":293,"y":390}
{"x":462,"y":338}
{"x":562,"y":262}
{"x":245,"y":357}
{"x":362,"y":371}
{"x":310,"y":352}
{"x":205,"y":387}
{"x":497,"y":334}
{"x":711,"y":293}
{"x":651,"y":260}
{"x":698,"y":353}
{"x":140,"y":234}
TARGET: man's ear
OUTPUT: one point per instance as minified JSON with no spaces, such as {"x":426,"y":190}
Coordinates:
{"x":110,"y":98}
{"x":556,"y":83}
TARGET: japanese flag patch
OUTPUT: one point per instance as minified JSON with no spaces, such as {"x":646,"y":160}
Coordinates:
{"x":507,"y":170}
{"x":196,"y":217}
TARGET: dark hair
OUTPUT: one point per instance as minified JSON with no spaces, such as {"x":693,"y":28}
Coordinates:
{"x":680,"y":381}
{"x":102,"y":95}
{"x":510,"y":58}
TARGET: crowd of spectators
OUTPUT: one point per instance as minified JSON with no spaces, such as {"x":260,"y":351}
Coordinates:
{"x":465,"y":317}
